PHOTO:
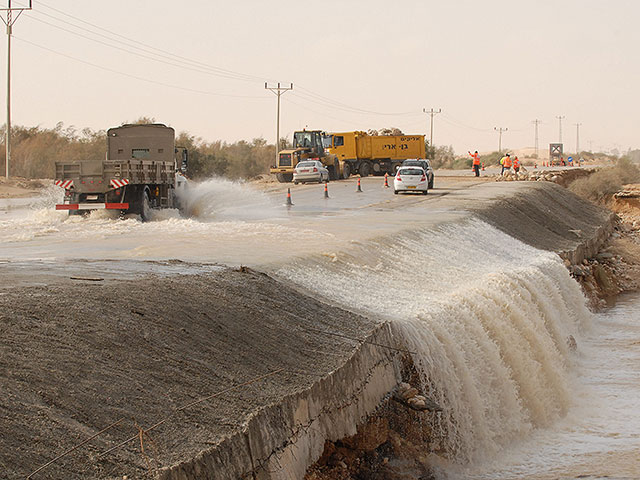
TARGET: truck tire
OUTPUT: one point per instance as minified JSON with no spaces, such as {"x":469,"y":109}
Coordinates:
{"x":333,"y":172}
{"x":346,"y":170}
{"x":365,"y":169}
{"x":284,"y":177}
{"x":145,"y":207}
{"x":431,"y":183}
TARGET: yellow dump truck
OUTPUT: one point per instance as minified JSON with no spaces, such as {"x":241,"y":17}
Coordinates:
{"x":349,"y":153}
{"x":365,"y":154}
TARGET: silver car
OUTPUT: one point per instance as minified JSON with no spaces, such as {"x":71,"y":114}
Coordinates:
{"x":411,"y":179}
{"x":310,"y":171}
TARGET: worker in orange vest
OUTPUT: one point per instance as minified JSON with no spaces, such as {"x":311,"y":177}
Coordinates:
{"x":506,"y":163}
{"x":516,"y":165}
{"x":476,"y":162}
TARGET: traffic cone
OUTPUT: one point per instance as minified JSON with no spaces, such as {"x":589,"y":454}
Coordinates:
{"x":359,"y":190}
{"x":386,"y":180}
{"x":483,"y":166}
{"x":535,"y":165}
{"x":326,"y":190}
{"x":289,"y":197}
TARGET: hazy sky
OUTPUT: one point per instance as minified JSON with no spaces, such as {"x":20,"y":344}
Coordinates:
{"x":200,"y":66}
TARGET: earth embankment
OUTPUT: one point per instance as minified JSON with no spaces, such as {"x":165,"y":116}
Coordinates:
{"x":78,"y":357}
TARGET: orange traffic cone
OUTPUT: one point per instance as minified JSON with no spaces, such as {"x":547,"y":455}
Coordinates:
{"x":386,"y":181}
{"x":359,"y":190}
{"x":326,"y":190}
{"x":289,"y":197}
{"x":483,"y":166}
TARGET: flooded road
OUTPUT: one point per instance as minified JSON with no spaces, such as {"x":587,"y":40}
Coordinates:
{"x":487,"y":316}
{"x":227,"y":222}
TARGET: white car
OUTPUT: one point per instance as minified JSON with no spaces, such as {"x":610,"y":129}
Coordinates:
{"x":411,"y":179}
{"x":310,"y":171}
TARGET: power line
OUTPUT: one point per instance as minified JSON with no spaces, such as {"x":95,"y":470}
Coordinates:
{"x":183,"y":62}
{"x":317,"y":98}
{"x":192,"y":90}
{"x":452,"y":121}
{"x":142,"y":55}
{"x":241,"y":76}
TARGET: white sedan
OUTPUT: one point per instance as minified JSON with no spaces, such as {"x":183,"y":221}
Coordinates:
{"x":310,"y":171}
{"x":410,"y":179}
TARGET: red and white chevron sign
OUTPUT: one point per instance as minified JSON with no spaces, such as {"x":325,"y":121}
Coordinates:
{"x":118,"y":183}
{"x":66,"y":184}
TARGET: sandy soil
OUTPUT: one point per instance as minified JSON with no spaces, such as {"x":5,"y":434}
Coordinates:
{"x":16,"y":187}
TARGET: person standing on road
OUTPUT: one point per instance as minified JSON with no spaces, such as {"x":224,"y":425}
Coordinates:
{"x":476,"y":162}
{"x":506,"y":163}
{"x":516,"y":165}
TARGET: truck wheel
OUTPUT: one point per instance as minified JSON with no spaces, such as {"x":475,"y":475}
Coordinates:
{"x":346,"y":170}
{"x":333,"y":172}
{"x":365,"y":169}
{"x":431,"y":183}
{"x":284,"y":177}
{"x":145,"y":207}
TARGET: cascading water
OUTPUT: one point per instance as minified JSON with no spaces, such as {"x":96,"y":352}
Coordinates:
{"x":488,"y":317}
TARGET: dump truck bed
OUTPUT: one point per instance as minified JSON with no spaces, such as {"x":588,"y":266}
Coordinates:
{"x":102,"y":175}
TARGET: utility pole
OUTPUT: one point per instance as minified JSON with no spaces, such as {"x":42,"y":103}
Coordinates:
{"x":9,"y":21}
{"x":278,"y":92}
{"x":432,"y":113}
{"x":577,"y":138}
{"x":560,"y":117}
{"x":536,"y":122}
{"x":500,"y":130}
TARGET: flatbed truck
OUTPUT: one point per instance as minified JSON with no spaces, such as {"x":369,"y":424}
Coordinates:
{"x":143,"y":170}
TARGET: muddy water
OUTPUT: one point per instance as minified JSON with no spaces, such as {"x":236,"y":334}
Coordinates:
{"x":600,"y":435}
{"x":489,"y":320}
{"x":488,"y":316}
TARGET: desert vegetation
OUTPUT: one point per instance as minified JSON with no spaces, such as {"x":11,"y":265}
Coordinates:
{"x":36,"y":149}
{"x":602,"y":184}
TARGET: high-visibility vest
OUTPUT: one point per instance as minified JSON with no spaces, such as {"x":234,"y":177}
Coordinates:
{"x":476,"y":158}
{"x":516,"y":163}
{"x":507,"y":162}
